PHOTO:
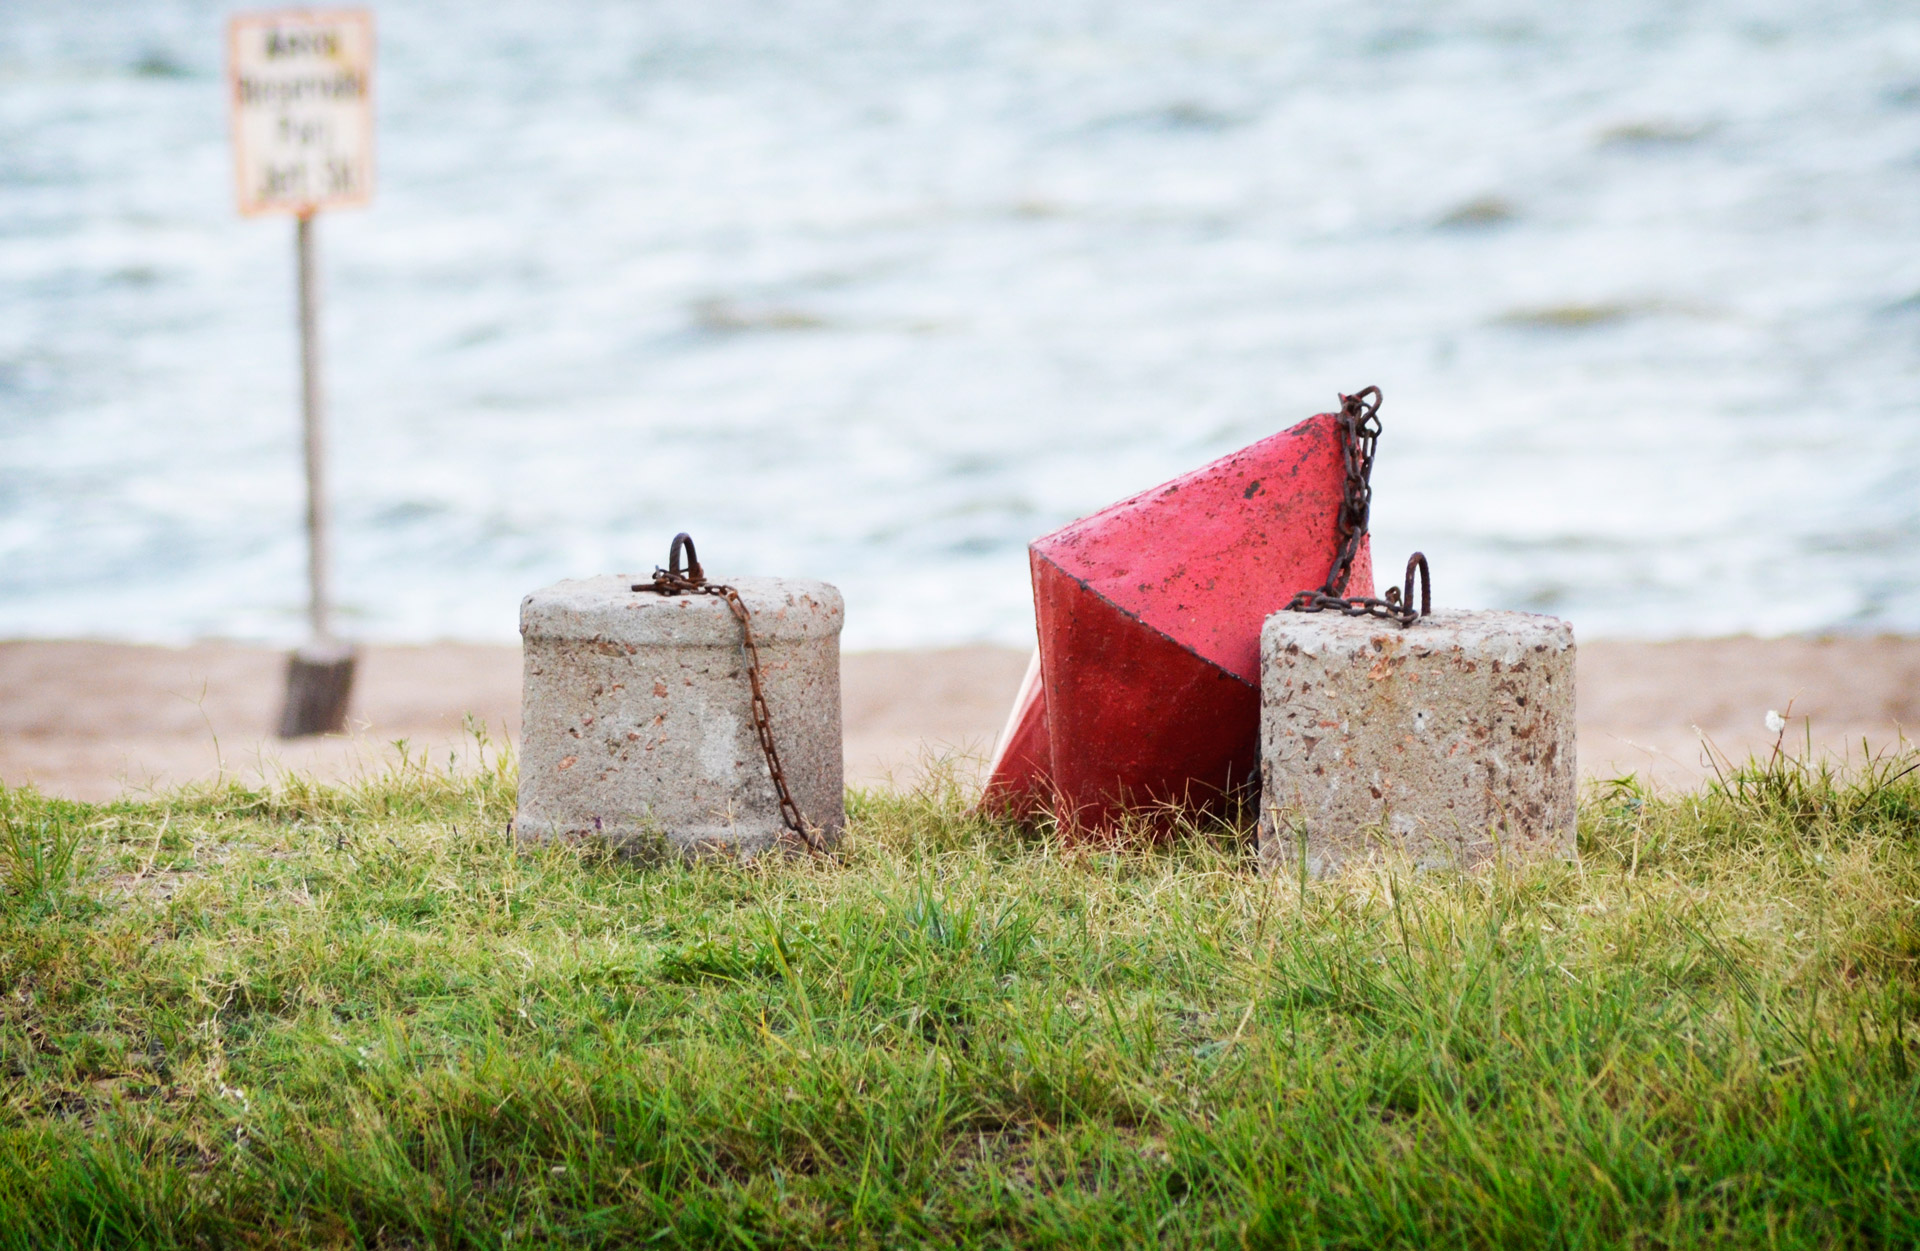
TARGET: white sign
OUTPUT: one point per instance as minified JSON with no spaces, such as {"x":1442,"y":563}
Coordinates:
{"x":302,"y":109}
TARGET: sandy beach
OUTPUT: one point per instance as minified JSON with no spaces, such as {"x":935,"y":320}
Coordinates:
{"x":90,"y":720}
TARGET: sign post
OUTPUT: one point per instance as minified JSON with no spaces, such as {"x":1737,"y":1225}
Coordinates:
{"x":302,"y":88}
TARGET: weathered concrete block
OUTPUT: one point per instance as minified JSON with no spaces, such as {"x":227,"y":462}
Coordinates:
{"x":637,"y":718}
{"x":1450,"y":742}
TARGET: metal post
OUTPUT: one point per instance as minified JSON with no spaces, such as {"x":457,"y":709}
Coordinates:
{"x":313,"y":416}
{"x":320,"y":674}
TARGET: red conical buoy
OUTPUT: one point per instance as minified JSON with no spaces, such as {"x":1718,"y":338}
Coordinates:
{"x":1146,"y":689}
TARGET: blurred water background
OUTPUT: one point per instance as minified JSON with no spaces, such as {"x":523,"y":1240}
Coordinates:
{"x":879,"y":292}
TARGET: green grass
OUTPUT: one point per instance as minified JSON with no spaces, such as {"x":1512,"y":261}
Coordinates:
{"x":362,"y":1017}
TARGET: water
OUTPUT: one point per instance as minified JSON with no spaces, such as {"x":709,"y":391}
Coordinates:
{"x":879,"y":292}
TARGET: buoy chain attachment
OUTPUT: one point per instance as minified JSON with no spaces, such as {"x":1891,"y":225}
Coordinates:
{"x":1359,"y":436}
{"x":691,"y":579}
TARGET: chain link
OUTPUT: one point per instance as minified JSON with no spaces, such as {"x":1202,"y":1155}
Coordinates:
{"x":1359,"y":436}
{"x":691,"y":579}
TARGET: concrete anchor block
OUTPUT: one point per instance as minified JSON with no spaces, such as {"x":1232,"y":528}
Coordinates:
{"x":1450,"y":742}
{"x":637,"y":716}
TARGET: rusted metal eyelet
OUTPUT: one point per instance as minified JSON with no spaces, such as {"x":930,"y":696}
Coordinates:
{"x":677,"y":578}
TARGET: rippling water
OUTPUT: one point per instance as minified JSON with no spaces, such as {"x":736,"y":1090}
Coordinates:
{"x":879,"y":292}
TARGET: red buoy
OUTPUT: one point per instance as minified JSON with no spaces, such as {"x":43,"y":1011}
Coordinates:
{"x":1146,"y":688}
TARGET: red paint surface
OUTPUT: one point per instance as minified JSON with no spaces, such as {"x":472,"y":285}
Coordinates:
{"x":1205,"y":558}
{"x":1135,"y":720}
{"x":1023,"y":759}
{"x":1149,"y":616}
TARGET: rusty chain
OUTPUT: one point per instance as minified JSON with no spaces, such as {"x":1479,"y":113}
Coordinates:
{"x":1359,"y":436}
{"x":691,"y":579}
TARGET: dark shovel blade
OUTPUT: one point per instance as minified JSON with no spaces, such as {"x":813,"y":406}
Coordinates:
{"x":319,"y":684}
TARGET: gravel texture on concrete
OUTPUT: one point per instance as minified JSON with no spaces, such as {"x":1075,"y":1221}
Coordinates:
{"x":638,"y":723}
{"x":1448,"y":742}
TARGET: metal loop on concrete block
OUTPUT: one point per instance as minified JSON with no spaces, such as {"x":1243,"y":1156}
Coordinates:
{"x":684,"y":542}
{"x":1418,"y":563}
